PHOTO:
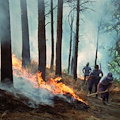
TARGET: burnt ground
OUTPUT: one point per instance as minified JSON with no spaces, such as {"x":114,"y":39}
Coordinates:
{"x":12,"y":108}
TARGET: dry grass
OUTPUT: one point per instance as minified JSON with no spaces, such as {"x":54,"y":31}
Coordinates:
{"x":33,"y":67}
{"x":71,"y":114}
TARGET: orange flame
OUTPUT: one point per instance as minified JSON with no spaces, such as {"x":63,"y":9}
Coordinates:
{"x":18,"y":71}
{"x":52,"y":84}
{"x":57,"y":88}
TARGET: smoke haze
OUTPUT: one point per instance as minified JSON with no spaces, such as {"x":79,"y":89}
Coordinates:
{"x":87,"y":38}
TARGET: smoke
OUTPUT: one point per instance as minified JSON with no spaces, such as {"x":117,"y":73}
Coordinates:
{"x":88,"y":35}
{"x":25,"y":87}
{"x":40,"y":96}
{"x":16,"y":30}
{"x":37,"y":96}
{"x":87,"y":38}
{"x":0,"y":59}
{"x":3,"y":19}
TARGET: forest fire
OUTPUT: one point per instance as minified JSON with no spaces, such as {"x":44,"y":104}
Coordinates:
{"x":53,"y":85}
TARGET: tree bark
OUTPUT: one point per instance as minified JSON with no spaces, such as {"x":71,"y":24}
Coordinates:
{"x":52,"y":37}
{"x":73,"y":56}
{"x":97,"y":45}
{"x":41,"y":38}
{"x":59,"y":38}
{"x":77,"y":40}
{"x":5,"y":34}
{"x":71,"y":30}
{"x":25,"y":35}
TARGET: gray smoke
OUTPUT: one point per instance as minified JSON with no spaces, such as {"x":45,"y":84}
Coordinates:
{"x":88,"y":35}
{"x":87,"y":44}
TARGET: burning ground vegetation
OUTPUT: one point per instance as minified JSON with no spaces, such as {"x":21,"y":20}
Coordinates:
{"x":31,"y":98}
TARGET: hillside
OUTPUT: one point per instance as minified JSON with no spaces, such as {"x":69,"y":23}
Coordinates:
{"x":64,"y":111}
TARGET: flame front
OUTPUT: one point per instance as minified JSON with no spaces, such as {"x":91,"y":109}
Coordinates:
{"x":52,"y":84}
{"x":18,"y":71}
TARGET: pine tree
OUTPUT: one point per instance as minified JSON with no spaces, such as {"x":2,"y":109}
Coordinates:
{"x":41,"y":38}
{"x":25,"y":34}
{"x":59,"y":38}
{"x":5,"y":34}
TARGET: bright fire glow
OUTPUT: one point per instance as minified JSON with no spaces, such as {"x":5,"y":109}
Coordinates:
{"x":53,"y":85}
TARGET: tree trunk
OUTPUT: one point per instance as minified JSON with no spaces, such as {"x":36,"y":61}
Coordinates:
{"x":71,"y":30}
{"x":59,"y":38}
{"x":41,"y":38}
{"x":25,"y":35}
{"x":5,"y":34}
{"x":77,"y":40}
{"x":73,"y":56}
{"x":98,"y":32}
{"x":52,"y":37}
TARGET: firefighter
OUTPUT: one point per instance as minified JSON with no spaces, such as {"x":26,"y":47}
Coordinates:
{"x":104,"y":85}
{"x":94,"y":78}
{"x":86,"y":70}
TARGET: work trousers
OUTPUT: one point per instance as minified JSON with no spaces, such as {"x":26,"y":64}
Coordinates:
{"x":85,"y":76}
{"x":105,"y":95}
{"x":91,"y":82}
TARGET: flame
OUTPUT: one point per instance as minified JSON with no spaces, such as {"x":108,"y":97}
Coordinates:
{"x":18,"y":71}
{"x":53,"y":85}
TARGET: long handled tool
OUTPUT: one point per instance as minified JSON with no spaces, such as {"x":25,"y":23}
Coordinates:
{"x":96,"y":93}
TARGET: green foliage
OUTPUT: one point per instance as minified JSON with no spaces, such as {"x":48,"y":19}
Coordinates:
{"x":114,"y":51}
{"x":114,"y":65}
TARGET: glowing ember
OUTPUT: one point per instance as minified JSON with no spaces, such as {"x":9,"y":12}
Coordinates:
{"x":52,"y":84}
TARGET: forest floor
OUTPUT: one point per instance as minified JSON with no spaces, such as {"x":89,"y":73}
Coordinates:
{"x":96,"y":110}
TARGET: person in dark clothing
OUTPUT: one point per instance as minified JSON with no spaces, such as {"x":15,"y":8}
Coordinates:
{"x":104,"y":85}
{"x":86,"y":70}
{"x":94,"y":78}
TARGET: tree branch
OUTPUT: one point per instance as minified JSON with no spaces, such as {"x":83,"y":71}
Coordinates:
{"x":47,"y":23}
{"x":50,"y":10}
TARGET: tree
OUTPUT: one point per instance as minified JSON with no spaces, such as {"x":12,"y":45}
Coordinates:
{"x":114,"y":64}
{"x":71,"y":34}
{"x":97,"y":45}
{"x":41,"y":38}
{"x":80,"y":8}
{"x":5,"y":34}
{"x":59,"y":38}
{"x":73,"y":56}
{"x":52,"y":37}
{"x":77,"y":40}
{"x":114,"y":51}
{"x":25,"y":34}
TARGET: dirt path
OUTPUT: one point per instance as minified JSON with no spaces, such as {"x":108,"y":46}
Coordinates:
{"x":110,"y":111}
{"x":104,"y":112}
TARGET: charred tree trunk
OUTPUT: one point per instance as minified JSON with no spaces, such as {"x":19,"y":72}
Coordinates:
{"x":77,"y":40}
{"x":71,"y":30}
{"x":52,"y":37}
{"x":25,"y":35}
{"x":73,"y":56}
{"x":96,"y":54}
{"x":5,"y":34}
{"x":59,"y":38}
{"x":41,"y":38}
